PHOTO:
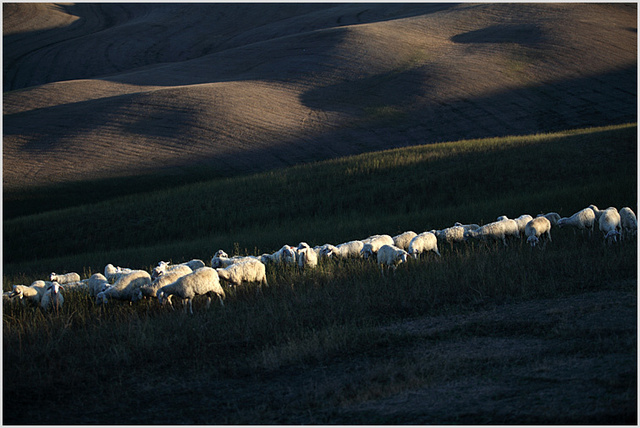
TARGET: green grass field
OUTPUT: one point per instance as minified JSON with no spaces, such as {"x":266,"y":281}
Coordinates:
{"x":96,"y":355}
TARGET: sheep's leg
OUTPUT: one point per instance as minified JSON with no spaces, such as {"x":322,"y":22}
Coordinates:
{"x":220,"y":298}
{"x":208,"y":301}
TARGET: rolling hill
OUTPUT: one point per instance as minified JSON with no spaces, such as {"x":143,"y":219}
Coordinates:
{"x":96,"y":92}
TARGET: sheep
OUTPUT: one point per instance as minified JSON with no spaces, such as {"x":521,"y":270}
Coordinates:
{"x":536,"y":228}
{"x":307,"y":258}
{"x":97,"y":283}
{"x":52,"y":297}
{"x":246,"y":271}
{"x":552,"y":217}
{"x":391,"y":256}
{"x":203,"y":281}
{"x":285,"y":255}
{"x":164,"y":267}
{"x":402,"y":240}
{"x":127,"y":287}
{"x":628,"y":222}
{"x":64,"y":279}
{"x":172,"y":275}
{"x":351,"y":249}
{"x":609,"y":224}
{"x":450,"y":235}
{"x":467,"y":227}
{"x":32,"y":293}
{"x":521,"y":222}
{"x":496,"y":231}
{"x":596,"y":211}
{"x":582,"y":220}
{"x":113,"y":273}
{"x":422,"y":243}
{"x":373,"y":243}
{"x":222,"y":259}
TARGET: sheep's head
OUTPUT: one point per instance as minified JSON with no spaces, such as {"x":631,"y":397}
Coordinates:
{"x":221,"y":253}
{"x":533,"y":240}
{"x":53,"y":276}
{"x":101,"y":298}
{"x":18,"y":290}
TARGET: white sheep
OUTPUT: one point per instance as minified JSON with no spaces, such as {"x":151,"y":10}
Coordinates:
{"x":536,"y":228}
{"x":496,"y":231}
{"x":628,"y":222}
{"x":307,"y":258}
{"x":351,"y":249}
{"x":373,"y":243}
{"x":521,"y":222}
{"x":32,"y":293}
{"x":127,"y":287}
{"x":391,"y":256}
{"x":450,"y":235}
{"x":402,"y":240}
{"x":222,"y":259}
{"x":97,"y":283}
{"x":285,"y":255}
{"x":422,"y":243}
{"x":247,"y":271}
{"x":467,"y":227}
{"x":582,"y":220}
{"x":113,"y":273}
{"x":52,"y":297}
{"x":596,"y":211}
{"x":164,"y":267}
{"x":553,"y":217}
{"x":167,"y":278}
{"x":609,"y":224}
{"x":203,"y":281}
{"x":64,"y":279}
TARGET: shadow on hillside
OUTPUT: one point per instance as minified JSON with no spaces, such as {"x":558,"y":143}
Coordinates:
{"x":523,"y":34}
{"x":101,"y":29}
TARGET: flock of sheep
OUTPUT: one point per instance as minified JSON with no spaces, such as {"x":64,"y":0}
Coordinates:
{"x":194,"y":278}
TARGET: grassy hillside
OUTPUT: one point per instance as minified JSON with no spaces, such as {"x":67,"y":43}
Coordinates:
{"x":223,"y":90}
{"x":480,"y":328}
{"x":416,"y":188}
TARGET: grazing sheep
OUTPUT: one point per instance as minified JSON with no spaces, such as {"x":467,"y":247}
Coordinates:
{"x":203,"y":281}
{"x":402,"y":240}
{"x":582,"y":220}
{"x":164,"y":267}
{"x":97,"y":283}
{"x":450,"y":235}
{"x":345,"y":250}
{"x":307,"y":258}
{"x":596,"y":211}
{"x":167,"y":278}
{"x":113,"y":273}
{"x":628,"y":222}
{"x":552,"y":217}
{"x":496,"y":231}
{"x":64,"y":279}
{"x":32,"y":293}
{"x":373,"y":243}
{"x":422,"y":243}
{"x":609,"y":224}
{"x":127,"y":287}
{"x":52,"y":297}
{"x":391,"y":256}
{"x":536,"y":228}
{"x":285,"y":255}
{"x":246,"y":271}
{"x":222,"y":259}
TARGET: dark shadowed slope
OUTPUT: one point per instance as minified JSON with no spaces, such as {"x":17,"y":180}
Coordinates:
{"x":114,"y":90}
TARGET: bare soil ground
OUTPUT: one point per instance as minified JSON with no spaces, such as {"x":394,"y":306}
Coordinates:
{"x":570,"y":360}
{"x":95,"y":91}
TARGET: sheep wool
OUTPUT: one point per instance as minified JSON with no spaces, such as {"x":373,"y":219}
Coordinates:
{"x":171,"y":276}
{"x":424,"y":242}
{"x":64,"y":279}
{"x":373,"y":243}
{"x":391,"y":256}
{"x":628,"y":222}
{"x":536,"y":228}
{"x":246,"y":271}
{"x":307,"y":258}
{"x":609,"y":224}
{"x":52,"y":298}
{"x":582,"y":220}
{"x":203,"y":281}
{"x":127,"y":287}
{"x":402,"y":240}
{"x":97,"y":283}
